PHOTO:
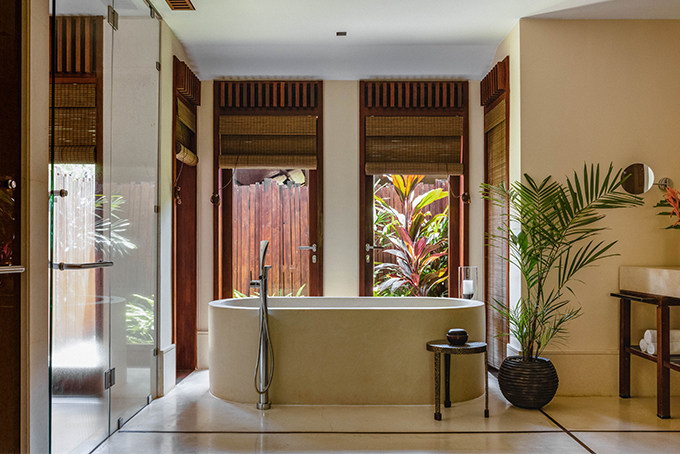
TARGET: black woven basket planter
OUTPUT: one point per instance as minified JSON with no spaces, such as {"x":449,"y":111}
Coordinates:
{"x":528,"y":384}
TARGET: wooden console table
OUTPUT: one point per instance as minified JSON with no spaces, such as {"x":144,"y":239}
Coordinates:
{"x":664,"y":361}
{"x":442,"y":346}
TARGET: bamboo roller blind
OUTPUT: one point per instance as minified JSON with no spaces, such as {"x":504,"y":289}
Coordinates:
{"x":265,"y":141}
{"x":497,"y":268}
{"x":185,"y":128}
{"x":422,"y":145}
{"x":75,"y":123}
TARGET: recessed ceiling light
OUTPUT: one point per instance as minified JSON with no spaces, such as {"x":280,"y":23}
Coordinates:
{"x":340,"y":33}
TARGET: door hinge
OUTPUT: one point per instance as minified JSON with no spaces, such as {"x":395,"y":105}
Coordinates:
{"x":149,"y":398}
{"x":109,"y":378}
{"x":156,"y":209}
{"x":120,"y":423}
{"x":112,"y":18}
{"x":158,"y":66}
{"x":156,"y":351}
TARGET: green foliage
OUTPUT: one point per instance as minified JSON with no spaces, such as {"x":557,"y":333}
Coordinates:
{"x":416,"y":238}
{"x":553,"y":241}
{"x":139,"y":320}
{"x":117,"y":243}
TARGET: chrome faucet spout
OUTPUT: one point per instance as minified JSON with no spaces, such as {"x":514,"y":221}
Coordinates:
{"x":264,"y":368}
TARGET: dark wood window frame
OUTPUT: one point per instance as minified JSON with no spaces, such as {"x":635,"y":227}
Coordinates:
{"x":184,"y":226}
{"x":459,"y":185}
{"x":267,"y":98}
{"x":495,"y":89}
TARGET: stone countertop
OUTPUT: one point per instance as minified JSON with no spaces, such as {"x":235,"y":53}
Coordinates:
{"x":656,"y":280}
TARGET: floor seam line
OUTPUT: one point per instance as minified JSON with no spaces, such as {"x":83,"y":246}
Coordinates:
{"x":339,"y":433}
{"x":574,"y":437}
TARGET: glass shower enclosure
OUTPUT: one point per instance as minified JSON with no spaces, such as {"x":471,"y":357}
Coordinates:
{"x":104,"y":122}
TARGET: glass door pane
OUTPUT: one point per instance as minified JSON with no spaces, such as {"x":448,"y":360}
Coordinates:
{"x":272,"y":205}
{"x":134,"y":163}
{"x":410,"y":235}
{"x":80,"y":225}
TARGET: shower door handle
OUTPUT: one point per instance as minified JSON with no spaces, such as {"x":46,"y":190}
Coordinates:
{"x":11,"y":269}
{"x":81,"y":266}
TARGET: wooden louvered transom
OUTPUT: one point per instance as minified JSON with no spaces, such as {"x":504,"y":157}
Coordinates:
{"x":269,"y":94}
{"x":76,"y":44}
{"x":413,"y":95}
{"x":180,"y":5}
{"x":495,"y":83}
{"x":186,"y":82}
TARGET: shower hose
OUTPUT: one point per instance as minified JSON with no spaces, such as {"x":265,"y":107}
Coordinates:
{"x":264,"y":337}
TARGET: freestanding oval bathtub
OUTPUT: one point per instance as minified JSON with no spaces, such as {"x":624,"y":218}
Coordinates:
{"x":344,"y":350}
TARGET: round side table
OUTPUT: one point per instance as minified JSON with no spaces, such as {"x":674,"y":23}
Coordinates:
{"x":442,"y":346}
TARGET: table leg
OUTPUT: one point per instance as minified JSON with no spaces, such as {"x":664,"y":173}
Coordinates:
{"x":447,"y":375}
{"x":624,"y":356}
{"x":437,"y":386}
{"x":663,"y":378}
{"x":486,"y":384}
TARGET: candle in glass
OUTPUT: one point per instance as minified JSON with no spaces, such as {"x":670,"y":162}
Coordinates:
{"x":468,"y":289}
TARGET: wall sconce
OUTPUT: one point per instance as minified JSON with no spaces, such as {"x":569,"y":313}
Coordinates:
{"x":664,"y":184}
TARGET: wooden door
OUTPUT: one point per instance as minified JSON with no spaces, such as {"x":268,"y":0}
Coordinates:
{"x":10,"y":226}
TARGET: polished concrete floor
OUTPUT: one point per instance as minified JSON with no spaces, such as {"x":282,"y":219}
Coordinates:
{"x":190,"y":420}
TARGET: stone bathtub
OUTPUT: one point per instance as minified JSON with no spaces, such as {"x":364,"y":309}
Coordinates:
{"x":344,"y":350}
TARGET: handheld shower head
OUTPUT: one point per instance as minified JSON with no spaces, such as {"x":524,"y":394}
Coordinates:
{"x":263,"y":254}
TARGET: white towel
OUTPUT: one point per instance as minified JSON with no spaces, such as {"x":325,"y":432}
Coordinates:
{"x":674,"y":347}
{"x":643,"y":345}
{"x":651,"y":337}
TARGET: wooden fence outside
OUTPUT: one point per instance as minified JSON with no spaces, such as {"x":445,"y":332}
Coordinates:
{"x":278,"y":213}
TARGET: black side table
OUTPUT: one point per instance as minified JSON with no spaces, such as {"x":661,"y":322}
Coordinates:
{"x":442,"y":346}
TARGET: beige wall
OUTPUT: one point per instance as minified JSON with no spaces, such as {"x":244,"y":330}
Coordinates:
{"x":205,"y":217}
{"x":341,"y":187}
{"x":35,"y":222}
{"x":601,"y":92}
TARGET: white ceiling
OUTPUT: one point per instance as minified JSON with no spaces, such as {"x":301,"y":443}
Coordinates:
{"x":385,"y":38}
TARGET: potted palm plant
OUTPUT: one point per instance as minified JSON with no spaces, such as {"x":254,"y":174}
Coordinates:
{"x":550,"y":230}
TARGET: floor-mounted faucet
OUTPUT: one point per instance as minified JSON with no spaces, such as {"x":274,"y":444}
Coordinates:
{"x":264,"y":368}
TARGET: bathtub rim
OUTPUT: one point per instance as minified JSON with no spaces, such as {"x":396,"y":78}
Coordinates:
{"x":466,"y":304}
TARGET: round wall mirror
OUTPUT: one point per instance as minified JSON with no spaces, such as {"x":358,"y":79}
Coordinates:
{"x":640,"y":178}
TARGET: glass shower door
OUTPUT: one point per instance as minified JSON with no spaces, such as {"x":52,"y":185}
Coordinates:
{"x":104,"y":159}
{"x":134,"y":163}
{"x":80,"y":229}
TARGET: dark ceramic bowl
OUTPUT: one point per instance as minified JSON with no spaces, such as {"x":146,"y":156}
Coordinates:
{"x":457,"y":336}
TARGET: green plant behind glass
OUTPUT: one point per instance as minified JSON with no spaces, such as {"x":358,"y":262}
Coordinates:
{"x":139,"y":320}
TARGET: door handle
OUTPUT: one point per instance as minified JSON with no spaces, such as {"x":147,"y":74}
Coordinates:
{"x":369,"y":247}
{"x":11,"y":269}
{"x":311,"y":248}
{"x":81,"y":266}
